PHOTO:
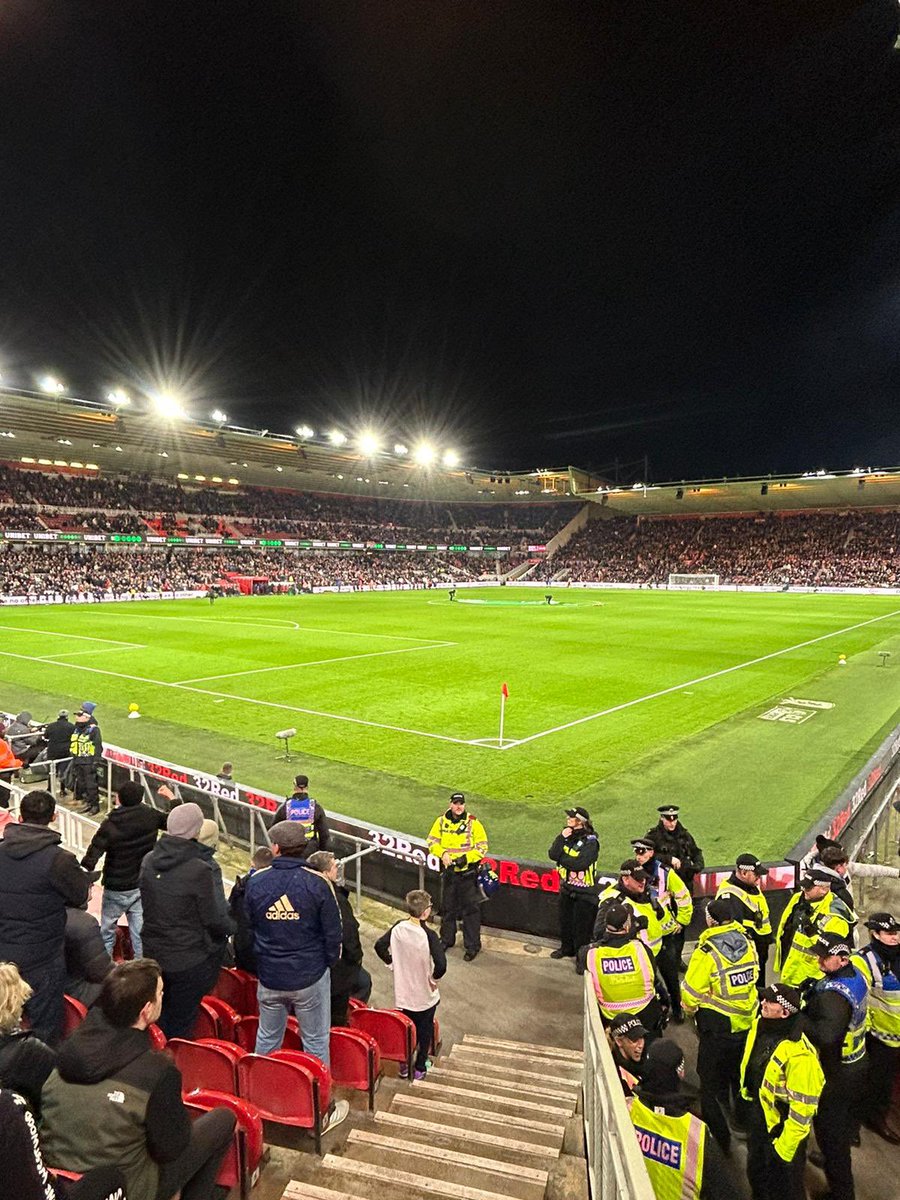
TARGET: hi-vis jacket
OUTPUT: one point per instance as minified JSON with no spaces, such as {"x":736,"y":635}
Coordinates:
{"x":756,"y":918}
{"x":458,"y":838}
{"x":623,"y":977}
{"x":798,"y":961}
{"x":86,"y":742}
{"x":855,"y":991}
{"x":789,"y":1093}
{"x":721,"y":976}
{"x":673,"y":1149}
{"x":576,"y":862}
{"x":669,"y":889}
{"x":647,"y":907}
{"x":884,"y":994}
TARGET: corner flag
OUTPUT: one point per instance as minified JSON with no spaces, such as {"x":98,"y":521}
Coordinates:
{"x":504,"y":691}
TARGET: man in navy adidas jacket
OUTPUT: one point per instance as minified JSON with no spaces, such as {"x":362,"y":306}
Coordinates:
{"x":297,"y":935}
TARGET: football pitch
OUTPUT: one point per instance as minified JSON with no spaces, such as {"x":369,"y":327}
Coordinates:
{"x":733,"y":705}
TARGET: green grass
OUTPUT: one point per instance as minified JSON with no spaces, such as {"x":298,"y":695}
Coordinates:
{"x":413,"y":665}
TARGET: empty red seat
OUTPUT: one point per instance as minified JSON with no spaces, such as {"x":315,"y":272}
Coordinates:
{"x":210,"y":1064}
{"x":288,"y":1088}
{"x":237,"y":988}
{"x":392,"y":1030}
{"x":123,"y":951}
{"x":157,"y":1037}
{"x":245,"y":1034}
{"x":74,"y":1013}
{"x":353,"y":1003}
{"x":241,"y":1164}
{"x":226,"y":1018}
{"x":355,"y":1061}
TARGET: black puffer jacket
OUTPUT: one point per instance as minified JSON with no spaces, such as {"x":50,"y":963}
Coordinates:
{"x":25,"y":1064}
{"x":58,"y":736}
{"x":126,"y":837}
{"x":87,"y":962}
{"x":185,"y":915}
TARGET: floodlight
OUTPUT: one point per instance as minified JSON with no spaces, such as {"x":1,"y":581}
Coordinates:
{"x":337,"y":438}
{"x":168,"y":406}
{"x":451,"y":459}
{"x":304,"y":433}
{"x":400,"y":450}
{"x":424,"y":454}
{"x":218,"y":416}
{"x":52,"y":386}
{"x":368,"y":444}
{"x":118,"y":397}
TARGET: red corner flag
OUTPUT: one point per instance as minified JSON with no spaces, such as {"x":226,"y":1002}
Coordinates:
{"x":504,"y":691}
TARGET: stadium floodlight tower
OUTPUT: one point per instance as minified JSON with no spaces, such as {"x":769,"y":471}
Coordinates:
{"x":451,"y":459}
{"x":169,"y":406}
{"x":424,"y":454}
{"x":118,"y":398}
{"x":52,"y":386}
{"x":368,"y":443}
{"x":337,"y":438}
{"x":218,"y":417}
{"x":304,"y":433}
{"x":693,"y":583}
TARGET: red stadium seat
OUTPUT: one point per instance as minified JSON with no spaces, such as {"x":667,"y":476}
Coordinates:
{"x":245,"y":1034}
{"x":394,"y":1033}
{"x":226,"y":1017}
{"x":436,"y":1039}
{"x":74,"y":1013}
{"x":206,"y":1024}
{"x":353,"y":1004}
{"x":157,"y":1037}
{"x":241,"y":1164}
{"x":123,"y":951}
{"x":287,"y":1088}
{"x":237,"y":988}
{"x":355,"y":1061}
{"x":210,"y":1064}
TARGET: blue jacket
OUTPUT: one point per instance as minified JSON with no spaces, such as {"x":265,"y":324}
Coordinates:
{"x":296,"y":924}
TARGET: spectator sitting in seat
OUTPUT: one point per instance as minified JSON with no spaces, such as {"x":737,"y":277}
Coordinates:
{"x":348,"y":976}
{"x":87,"y":960}
{"x":244,"y":950}
{"x":25,"y":1061}
{"x":114,"y":1100}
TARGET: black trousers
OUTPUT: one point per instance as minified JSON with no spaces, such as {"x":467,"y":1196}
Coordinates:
{"x":182,"y":993}
{"x":461,"y":902}
{"x":102,"y":1183}
{"x":883,"y":1064}
{"x":771,"y":1178}
{"x":668,"y":961}
{"x":45,"y":1008}
{"x":359,"y":987}
{"x":84,"y":781}
{"x":719,"y":1067}
{"x":577,"y":913}
{"x":194,"y":1171}
{"x":424,"y":1023}
{"x":834,"y":1124}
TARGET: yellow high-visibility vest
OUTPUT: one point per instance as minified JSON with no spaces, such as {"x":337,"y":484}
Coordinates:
{"x":673,"y":1149}
{"x":721,"y":975}
{"x":622,"y":976}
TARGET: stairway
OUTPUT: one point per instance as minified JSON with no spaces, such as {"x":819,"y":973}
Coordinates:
{"x":492,"y":1121}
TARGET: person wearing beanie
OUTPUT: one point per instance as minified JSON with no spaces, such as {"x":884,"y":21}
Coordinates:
{"x":879,"y":963}
{"x":720,"y":989}
{"x":622,"y":971}
{"x":744,"y":885}
{"x":122,"y":841}
{"x":682,"y":1159}
{"x":459,"y":840}
{"x":575,"y":850}
{"x":185,"y":918}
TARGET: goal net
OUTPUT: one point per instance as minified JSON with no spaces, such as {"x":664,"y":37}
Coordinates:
{"x":693,"y":583}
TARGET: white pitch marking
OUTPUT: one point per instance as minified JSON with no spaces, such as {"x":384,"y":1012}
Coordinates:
{"x":317,"y":662}
{"x":99,"y":650}
{"x":77,"y":637}
{"x":677,"y":687}
{"x":393,"y":637}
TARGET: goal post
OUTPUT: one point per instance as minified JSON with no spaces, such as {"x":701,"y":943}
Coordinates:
{"x":693,"y":583}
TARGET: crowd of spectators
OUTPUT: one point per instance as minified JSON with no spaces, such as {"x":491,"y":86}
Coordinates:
{"x":853,"y":549}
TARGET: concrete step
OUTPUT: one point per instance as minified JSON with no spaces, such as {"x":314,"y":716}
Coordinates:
{"x":468,"y":1061}
{"x":487,"y":1055}
{"x":298,"y":1190}
{"x":391,"y":1177}
{"x":446,"y":1166}
{"x":453,"y":1075}
{"x":430,"y":1133}
{"x":573,"y":1056}
{"x":480,"y":1119}
{"x":483,"y":1095}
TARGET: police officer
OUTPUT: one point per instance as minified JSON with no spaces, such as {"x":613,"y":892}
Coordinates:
{"x":782,"y":1080}
{"x":301,"y":807}
{"x":629,"y":1050}
{"x":575,"y":851}
{"x":623,"y":972}
{"x":835,"y":1011}
{"x":86,"y":747}
{"x":458,"y":839}
{"x":812,"y":911}
{"x":720,"y":987}
{"x":632,"y":889}
{"x":670,"y":891}
{"x":675,"y":845}
{"x":879,"y":963}
{"x":744,"y":885}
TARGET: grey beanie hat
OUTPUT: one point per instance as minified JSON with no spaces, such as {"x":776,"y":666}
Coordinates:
{"x":185,"y":821}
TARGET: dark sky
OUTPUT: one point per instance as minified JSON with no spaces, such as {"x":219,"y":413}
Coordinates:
{"x":549,"y":232}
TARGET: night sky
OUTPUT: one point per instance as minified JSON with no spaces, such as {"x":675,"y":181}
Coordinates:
{"x":547,"y":232}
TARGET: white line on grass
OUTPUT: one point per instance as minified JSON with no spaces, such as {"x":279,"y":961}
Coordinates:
{"x":99,"y":650}
{"x":317,"y":662}
{"x":393,"y":637}
{"x":677,"y":687}
{"x":76,"y":637}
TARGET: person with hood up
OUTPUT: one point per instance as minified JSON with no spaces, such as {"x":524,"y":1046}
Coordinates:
{"x":185,"y":918}
{"x":622,"y":971}
{"x":575,"y":850}
{"x":682,"y":1160}
{"x":720,"y":988}
{"x":114,"y":1101}
{"x":38,"y":881}
{"x":23,"y":738}
{"x":879,"y":964}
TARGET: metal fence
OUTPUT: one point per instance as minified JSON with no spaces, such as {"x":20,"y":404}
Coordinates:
{"x":877,"y":842}
{"x":616,"y":1168}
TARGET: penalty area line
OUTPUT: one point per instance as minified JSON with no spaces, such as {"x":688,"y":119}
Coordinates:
{"x":317,"y":662}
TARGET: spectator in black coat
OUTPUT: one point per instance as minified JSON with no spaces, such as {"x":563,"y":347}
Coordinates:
{"x":348,"y":976}
{"x":126,"y":837}
{"x":185,"y":918}
{"x":57,"y":740}
{"x":25,"y":1061}
{"x":38,"y":881}
{"x":244,"y":948}
{"x":87,"y":961}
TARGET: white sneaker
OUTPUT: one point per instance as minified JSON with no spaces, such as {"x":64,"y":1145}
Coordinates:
{"x":338,"y":1113}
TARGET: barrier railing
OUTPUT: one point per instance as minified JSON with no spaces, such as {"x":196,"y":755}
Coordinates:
{"x":877,"y":842}
{"x":616,"y":1168}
